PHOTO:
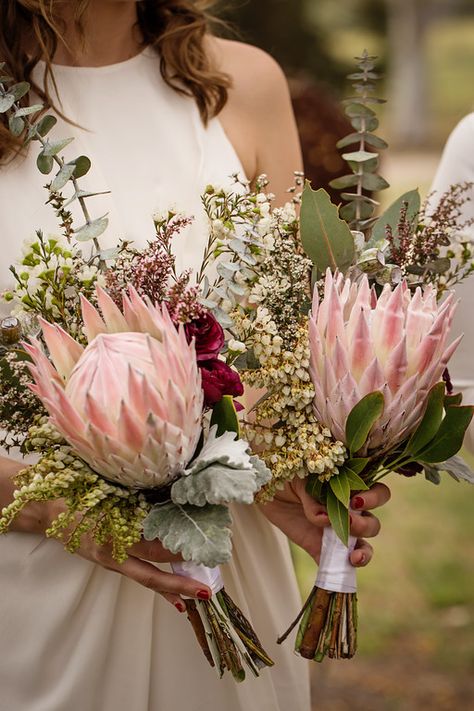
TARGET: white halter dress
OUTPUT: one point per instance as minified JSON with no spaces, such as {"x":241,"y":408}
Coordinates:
{"x":73,"y":636}
{"x":457,"y":166}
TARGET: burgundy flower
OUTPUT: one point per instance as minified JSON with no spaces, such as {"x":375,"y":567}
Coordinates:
{"x":208,"y":334}
{"x":218,"y":379}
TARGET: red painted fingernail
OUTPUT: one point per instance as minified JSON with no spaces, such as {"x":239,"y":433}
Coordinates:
{"x":180,"y":606}
{"x":358,"y":502}
{"x":203,"y":595}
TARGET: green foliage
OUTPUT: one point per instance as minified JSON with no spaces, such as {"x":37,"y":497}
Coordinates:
{"x":449,"y":437}
{"x":341,"y":487}
{"x":326,"y":239}
{"x":199,"y":533}
{"x":359,"y":208}
{"x":109,"y":513}
{"x":431,"y":421}
{"x":339,"y":516}
{"x":361,"y":420}
{"x":391,"y":216}
{"x":224,"y":416}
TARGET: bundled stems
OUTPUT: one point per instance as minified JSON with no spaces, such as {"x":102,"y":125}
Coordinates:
{"x":226,"y":637}
{"x":328,"y":626}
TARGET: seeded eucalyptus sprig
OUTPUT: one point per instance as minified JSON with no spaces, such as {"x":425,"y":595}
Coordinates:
{"x":29,"y":123}
{"x":364,"y":160}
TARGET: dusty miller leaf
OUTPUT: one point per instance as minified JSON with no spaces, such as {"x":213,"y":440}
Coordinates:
{"x":200,"y":534}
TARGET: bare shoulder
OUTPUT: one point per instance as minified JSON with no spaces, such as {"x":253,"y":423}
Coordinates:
{"x":255,"y":75}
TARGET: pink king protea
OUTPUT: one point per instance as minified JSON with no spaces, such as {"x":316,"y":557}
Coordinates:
{"x":130,"y":403}
{"x":396,"y":344}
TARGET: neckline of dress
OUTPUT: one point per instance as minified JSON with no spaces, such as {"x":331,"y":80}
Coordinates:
{"x":103,"y":69}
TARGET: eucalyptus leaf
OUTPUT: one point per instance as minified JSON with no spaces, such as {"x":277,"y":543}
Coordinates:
{"x":338,"y":516}
{"x":374,"y":182}
{"x":82,"y":166}
{"x":359,"y":156}
{"x":52,"y":149}
{"x":362,"y":418}
{"x":44,"y":126}
{"x":6,"y":102}
{"x":44,"y":163}
{"x":16,"y":125}
{"x":28,"y":110}
{"x":200,"y":534}
{"x":223,"y":318}
{"x":326,"y":239}
{"x":18,"y":91}
{"x":356,"y":110}
{"x":92,"y":230}
{"x":345,"y":181}
{"x":62,"y":177}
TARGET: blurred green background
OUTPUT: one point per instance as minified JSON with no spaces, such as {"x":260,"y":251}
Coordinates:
{"x":417,"y":597}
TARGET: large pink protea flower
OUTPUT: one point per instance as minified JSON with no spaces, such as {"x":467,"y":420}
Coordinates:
{"x":396,"y":344}
{"x":130,"y":403}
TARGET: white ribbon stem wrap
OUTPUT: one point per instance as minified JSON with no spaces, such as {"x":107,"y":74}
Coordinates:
{"x":335,"y":573}
{"x":208,"y":576}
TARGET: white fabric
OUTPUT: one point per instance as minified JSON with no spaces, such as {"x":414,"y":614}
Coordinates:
{"x":335,"y":572}
{"x":457,"y":166}
{"x":212,"y":577}
{"x":74,"y":636}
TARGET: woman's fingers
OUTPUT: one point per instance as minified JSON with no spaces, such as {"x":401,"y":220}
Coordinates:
{"x":162,"y":582}
{"x":377,"y":496}
{"x":365,"y":525}
{"x":362,"y":554}
{"x":153,"y":551}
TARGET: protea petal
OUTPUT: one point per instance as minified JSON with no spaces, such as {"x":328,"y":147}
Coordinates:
{"x":396,"y":343}
{"x":131,"y":402}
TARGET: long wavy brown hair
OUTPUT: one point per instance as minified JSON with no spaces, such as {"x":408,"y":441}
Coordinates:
{"x":31,"y":30}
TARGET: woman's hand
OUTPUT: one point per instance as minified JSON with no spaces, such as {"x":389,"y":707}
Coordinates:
{"x":139,"y":567}
{"x":303,"y":519}
{"x":37,"y":518}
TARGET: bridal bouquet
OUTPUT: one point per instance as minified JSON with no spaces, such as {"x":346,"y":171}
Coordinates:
{"x":112,"y":374}
{"x":344,"y":331}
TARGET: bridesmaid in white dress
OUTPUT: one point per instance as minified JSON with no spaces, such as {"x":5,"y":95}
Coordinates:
{"x":457,"y":166}
{"x":74,"y":635}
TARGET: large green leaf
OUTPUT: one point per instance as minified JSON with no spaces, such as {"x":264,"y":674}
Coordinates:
{"x":338,"y":516}
{"x":392,"y":215}
{"x":224,"y":415}
{"x":431,"y":421}
{"x":316,"y":488}
{"x":200,"y":534}
{"x":355,"y":481}
{"x":340,"y":487}
{"x":450,"y":436}
{"x":326,"y":239}
{"x":356,"y":464}
{"x":361,"y":420}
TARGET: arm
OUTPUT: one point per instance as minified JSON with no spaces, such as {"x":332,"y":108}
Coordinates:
{"x":36,"y":518}
{"x":259,"y":121}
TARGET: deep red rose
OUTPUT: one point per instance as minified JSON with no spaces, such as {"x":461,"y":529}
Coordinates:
{"x":208,"y":334}
{"x":218,"y":379}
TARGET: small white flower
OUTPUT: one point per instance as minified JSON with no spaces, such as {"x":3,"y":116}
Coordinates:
{"x":236,"y":346}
